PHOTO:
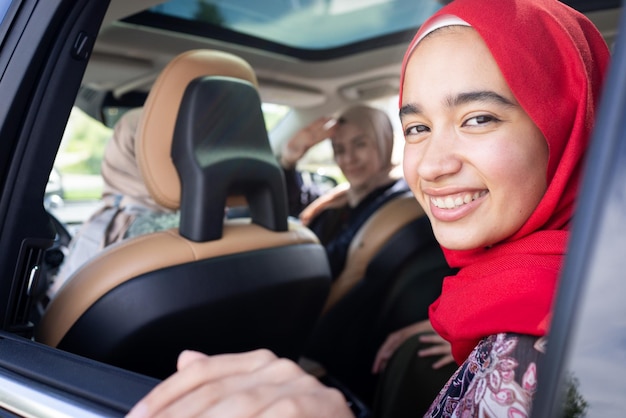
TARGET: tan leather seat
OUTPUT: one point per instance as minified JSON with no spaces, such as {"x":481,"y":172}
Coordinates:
{"x":370,"y":239}
{"x":213,"y":284}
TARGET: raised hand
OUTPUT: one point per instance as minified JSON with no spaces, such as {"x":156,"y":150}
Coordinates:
{"x":314,"y":133}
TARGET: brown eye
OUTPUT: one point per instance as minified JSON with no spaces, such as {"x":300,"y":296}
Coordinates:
{"x":480,"y":120}
{"x":416,"y":129}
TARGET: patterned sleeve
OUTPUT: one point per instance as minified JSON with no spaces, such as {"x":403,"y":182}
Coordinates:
{"x":149,"y":222}
{"x":498,"y":379}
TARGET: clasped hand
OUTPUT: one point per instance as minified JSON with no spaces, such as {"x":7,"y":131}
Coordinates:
{"x":255,"y":384}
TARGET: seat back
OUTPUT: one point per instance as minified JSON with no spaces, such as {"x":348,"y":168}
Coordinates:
{"x":214,"y":284}
{"x":380,"y":227}
{"x":395,"y":270}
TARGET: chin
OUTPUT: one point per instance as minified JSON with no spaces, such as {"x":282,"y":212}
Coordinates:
{"x":357,"y":184}
{"x":456,"y":244}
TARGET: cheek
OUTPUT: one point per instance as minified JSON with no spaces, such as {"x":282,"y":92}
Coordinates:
{"x":370,"y":157}
{"x":409,"y":161}
{"x":526,"y":160}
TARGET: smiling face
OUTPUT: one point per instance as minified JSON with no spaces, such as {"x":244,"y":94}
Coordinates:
{"x":356,"y":154}
{"x":474,"y":159}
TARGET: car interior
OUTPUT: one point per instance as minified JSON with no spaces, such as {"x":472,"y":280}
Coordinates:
{"x":258,"y":72}
{"x":189,"y":276}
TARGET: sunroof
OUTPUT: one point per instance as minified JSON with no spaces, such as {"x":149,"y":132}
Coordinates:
{"x":309,"y":26}
{"x":305,"y":29}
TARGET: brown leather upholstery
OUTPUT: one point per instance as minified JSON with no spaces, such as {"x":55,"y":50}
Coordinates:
{"x":155,"y":132}
{"x":140,"y":302}
{"x":121,"y":262}
{"x":383,"y":224}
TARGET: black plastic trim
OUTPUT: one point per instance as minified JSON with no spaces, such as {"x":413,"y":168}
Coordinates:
{"x":72,"y":378}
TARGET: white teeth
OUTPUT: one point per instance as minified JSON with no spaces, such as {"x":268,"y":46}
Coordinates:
{"x":451,"y":203}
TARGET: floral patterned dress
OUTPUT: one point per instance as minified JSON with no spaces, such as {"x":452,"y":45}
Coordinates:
{"x":498,"y":379}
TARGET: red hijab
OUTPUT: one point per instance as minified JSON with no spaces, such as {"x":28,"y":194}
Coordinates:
{"x":554,"y":61}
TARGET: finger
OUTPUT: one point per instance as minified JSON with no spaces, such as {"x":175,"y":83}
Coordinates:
{"x":198,"y":371}
{"x":435,"y":350}
{"x":384,"y":353}
{"x":187,"y":357}
{"x":321,"y":122}
{"x":240,"y":395}
{"x":443,"y":361}
{"x":318,"y":126}
{"x":318,"y":134}
{"x":381,"y":359}
{"x":317,"y":402}
{"x":331,"y":123}
{"x":264,"y":392}
{"x":379,"y":364}
{"x":432,"y":338}
{"x":422,"y":326}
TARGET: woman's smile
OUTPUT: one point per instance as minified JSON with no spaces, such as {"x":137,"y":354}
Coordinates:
{"x":452,"y":207}
{"x":457,"y":200}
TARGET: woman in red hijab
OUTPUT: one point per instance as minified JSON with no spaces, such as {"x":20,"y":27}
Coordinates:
{"x":494,"y":154}
{"x":497,"y":103}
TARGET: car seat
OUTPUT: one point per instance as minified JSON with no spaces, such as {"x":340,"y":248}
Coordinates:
{"x":380,"y":227}
{"x":214,"y":284}
{"x":393,"y":272}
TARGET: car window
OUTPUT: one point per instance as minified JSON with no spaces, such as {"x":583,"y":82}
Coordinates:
{"x":585,"y":361}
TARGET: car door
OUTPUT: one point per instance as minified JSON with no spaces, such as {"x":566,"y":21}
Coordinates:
{"x":584,"y":369}
{"x":44,"y":48}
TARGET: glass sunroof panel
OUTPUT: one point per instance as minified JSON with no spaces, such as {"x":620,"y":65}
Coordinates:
{"x":305,"y":24}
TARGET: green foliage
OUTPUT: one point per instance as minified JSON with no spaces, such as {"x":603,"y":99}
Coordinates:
{"x":575,"y":405}
{"x":82,"y":148}
{"x":208,"y":12}
{"x":80,"y":157}
{"x":273,"y":113}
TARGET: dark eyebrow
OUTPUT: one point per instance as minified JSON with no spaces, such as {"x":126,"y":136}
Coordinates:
{"x":460,"y":99}
{"x":478,"y":96}
{"x":409,"y":109}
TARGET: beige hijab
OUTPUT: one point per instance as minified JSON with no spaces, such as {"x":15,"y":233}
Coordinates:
{"x":120,"y":171}
{"x":123,"y":184}
{"x":376,"y":125}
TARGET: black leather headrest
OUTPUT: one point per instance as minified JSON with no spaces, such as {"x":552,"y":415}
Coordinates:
{"x":221,"y":148}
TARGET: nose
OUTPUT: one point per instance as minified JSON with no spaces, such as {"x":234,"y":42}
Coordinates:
{"x":348,"y":156}
{"x":439,"y":156}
